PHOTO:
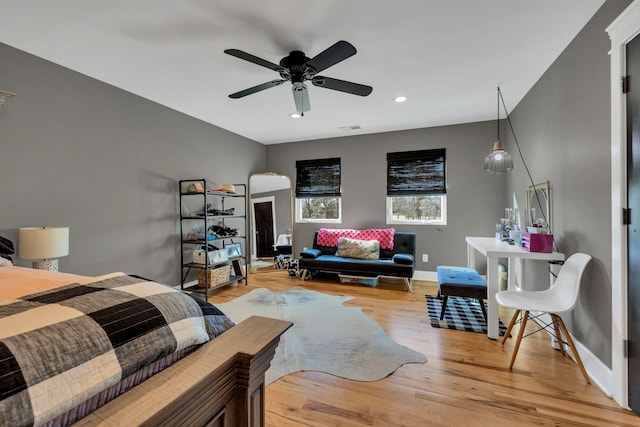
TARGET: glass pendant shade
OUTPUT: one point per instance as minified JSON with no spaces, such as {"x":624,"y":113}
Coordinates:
{"x":499,"y":161}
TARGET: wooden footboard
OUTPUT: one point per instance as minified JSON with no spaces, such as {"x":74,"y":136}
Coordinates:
{"x":220,"y":384}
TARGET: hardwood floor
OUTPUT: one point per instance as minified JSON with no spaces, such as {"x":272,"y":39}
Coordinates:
{"x":466,"y":381}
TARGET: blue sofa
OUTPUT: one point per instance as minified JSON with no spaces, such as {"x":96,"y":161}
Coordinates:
{"x":396,"y":262}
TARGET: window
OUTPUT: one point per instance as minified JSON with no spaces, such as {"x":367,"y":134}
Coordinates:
{"x":416,"y":187}
{"x":318,"y":196}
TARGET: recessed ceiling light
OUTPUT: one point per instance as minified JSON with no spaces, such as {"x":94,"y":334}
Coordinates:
{"x":399,"y":99}
{"x":295,"y":115}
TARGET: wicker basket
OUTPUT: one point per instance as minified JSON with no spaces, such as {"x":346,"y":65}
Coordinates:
{"x":216,"y":276}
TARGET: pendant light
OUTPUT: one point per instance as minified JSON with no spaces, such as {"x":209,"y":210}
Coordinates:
{"x":499,"y":161}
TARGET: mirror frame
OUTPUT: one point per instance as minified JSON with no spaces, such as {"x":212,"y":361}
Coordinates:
{"x":545,"y":189}
{"x":250,"y":239}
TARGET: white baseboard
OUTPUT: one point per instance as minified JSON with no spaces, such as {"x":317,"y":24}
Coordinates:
{"x":599,"y":373}
{"x":430,"y":276}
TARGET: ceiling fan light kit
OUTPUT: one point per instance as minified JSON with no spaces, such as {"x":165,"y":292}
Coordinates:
{"x":297,"y":68}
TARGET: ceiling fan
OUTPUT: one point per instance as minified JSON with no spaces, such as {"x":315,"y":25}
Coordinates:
{"x":298,"y":69}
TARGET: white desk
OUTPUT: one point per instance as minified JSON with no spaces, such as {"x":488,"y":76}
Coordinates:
{"x":494,"y":249}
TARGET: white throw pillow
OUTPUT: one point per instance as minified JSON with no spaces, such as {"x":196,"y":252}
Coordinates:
{"x":361,"y":249}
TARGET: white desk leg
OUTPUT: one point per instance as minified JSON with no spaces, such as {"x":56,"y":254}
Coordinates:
{"x":511,"y":274}
{"x":471,"y":257}
{"x":492,"y":288}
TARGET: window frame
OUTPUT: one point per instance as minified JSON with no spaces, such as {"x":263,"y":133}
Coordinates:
{"x":443,"y":212}
{"x":299,"y":219}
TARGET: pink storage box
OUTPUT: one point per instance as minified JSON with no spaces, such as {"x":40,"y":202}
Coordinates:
{"x":537,"y":242}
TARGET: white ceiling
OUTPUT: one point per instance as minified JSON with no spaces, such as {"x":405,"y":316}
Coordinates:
{"x":446,"y":56}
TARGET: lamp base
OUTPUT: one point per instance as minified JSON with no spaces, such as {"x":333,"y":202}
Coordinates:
{"x":48,"y":264}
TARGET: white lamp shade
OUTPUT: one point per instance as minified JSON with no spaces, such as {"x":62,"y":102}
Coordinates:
{"x":43,"y":242}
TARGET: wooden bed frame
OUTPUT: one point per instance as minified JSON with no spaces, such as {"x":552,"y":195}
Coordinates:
{"x":220,"y":384}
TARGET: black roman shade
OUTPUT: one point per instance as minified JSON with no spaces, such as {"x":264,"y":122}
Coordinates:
{"x":318,"y":178}
{"x":411,"y":173}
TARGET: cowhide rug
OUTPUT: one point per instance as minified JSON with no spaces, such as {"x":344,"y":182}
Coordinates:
{"x":326,"y":336}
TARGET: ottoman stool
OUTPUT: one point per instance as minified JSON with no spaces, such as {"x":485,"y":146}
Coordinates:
{"x":461,"y":282}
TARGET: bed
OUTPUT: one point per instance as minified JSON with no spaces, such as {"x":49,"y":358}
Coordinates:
{"x":118,"y":349}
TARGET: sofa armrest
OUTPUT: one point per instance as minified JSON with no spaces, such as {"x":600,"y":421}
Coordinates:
{"x":311,"y":253}
{"x":404,"y":259}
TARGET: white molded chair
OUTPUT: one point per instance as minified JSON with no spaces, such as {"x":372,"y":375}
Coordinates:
{"x":559,"y":298}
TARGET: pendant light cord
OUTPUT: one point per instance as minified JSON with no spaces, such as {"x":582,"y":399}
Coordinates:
{"x":533,"y":185}
{"x":498,"y":121}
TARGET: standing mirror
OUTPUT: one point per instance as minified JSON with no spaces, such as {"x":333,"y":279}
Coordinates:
{"x":271,"y":219}
{"x":539,"y":205}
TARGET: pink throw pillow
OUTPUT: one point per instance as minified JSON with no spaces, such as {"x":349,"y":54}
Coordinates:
{"x":330,"y":236}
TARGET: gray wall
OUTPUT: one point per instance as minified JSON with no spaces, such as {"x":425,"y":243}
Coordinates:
{"x":563,"y":127}
{"x":475,"y":199}
{"x":80,"y":153}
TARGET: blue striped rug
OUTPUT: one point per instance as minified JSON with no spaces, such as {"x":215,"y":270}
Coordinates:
{"x":463,"y":314}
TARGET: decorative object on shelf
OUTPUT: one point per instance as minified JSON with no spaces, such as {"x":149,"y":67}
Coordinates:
{"x":226,"y":188}
{"x":508,"y":229}
{"x":499,"y":161}
{"x":4,"y":96}
{"x":43,"y":243}
{"x":216,"y":276}
{"x":222,"y":231}
{"x":195,"y":188}
{"x":212,"y":256}
{"x":234,"y":250}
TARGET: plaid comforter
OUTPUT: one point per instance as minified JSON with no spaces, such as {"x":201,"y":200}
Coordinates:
{"x":60,"y":347}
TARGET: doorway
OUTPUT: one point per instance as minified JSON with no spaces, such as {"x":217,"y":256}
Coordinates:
{"x":633,"y":229}
{"x":263,"y":213}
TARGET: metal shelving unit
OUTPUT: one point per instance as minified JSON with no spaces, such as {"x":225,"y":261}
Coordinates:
{"x":201,"y":223}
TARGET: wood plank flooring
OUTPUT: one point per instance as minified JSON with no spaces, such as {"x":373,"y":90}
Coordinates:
{"x":466,"y":381}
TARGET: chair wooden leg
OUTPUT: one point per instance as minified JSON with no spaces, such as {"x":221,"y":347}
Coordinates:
{"x":510,"y":327}
{"x":520,"y":333}
{"x":573,"y":349}
{"x":444,"y":306}
{"x":556,"y":328}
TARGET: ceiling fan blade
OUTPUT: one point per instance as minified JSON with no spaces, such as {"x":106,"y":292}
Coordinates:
{"x":342,"y":85}
{"x":331,"y":56}
{"x":257,"y":88}
{"x":252,"y":58}
{"x":301,"y":97}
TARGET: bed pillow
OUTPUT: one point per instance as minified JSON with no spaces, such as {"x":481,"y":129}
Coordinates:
{"x":361,"y":249}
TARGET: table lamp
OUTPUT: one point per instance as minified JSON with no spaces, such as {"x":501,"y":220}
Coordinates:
{"x":43,"y":243}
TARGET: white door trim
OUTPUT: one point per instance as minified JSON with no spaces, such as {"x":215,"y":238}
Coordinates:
{"x":621,"y":31}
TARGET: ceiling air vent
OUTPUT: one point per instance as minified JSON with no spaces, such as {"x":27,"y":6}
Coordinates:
{"x":349,"y":128}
